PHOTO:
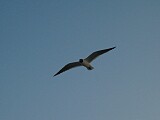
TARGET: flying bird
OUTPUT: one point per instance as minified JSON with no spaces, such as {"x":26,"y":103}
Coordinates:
{"x":84,"y":62}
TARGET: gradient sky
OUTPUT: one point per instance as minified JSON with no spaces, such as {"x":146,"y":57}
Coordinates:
{"x":38,"y":37}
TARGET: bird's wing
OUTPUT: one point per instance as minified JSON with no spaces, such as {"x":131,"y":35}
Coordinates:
{"x":68,"y":66}
{"x":94,"y":55}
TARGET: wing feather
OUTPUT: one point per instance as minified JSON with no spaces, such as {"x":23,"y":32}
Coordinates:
{"x":68,"y":66}
{"x":94,"y":55}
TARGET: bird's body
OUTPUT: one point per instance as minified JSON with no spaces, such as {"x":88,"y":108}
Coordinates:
{"x":84,"y":62}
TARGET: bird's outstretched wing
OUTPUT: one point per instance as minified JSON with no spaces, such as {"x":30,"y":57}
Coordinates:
{"x":68,"y":66}
{"x":94,"y":55}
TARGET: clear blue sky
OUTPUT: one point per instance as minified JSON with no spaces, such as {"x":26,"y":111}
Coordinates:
{"x":38,"y":37}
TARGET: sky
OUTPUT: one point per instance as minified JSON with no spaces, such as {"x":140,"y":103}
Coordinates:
{"x":38,"y":37}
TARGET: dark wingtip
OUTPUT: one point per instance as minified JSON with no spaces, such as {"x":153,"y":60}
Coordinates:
{"x":56,"y":74}
{"x":113,"y":47}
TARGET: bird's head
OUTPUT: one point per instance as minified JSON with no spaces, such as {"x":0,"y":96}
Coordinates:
{"x":81,"y":60}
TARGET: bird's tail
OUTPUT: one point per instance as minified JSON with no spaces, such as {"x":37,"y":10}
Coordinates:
{"x":90,"y":68}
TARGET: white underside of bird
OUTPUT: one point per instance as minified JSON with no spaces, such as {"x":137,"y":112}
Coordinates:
{"x":84,"y":62}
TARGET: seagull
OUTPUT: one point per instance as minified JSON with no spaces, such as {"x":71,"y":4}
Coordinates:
{"x":84,"y":62}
